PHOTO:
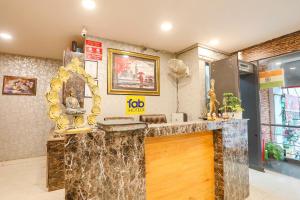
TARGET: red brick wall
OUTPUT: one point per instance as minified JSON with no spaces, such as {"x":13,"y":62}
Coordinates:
{"x":265,"y":113}
{"x":275,"y":47}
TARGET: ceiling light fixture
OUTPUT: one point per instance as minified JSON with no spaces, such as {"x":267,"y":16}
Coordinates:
{"x":292,"y":68}
{"x":166,"y":26}
{"x":214,"y":42}
{"x":89,"y":4}
{"x":5,"y":36}
{"x":278,"y":63}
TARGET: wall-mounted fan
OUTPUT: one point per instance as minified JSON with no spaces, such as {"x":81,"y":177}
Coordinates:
{"x":178,"y":71}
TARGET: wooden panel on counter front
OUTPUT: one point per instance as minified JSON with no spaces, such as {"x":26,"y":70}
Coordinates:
{"x":180,"y":167}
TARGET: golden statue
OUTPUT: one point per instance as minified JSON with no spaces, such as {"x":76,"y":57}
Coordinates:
{"x":56,"y":113}
{"x":211,"y":115}
{"x":72,"y":105}
{"x":73,"y":109}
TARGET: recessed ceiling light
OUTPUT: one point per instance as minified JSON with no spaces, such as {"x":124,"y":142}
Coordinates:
{"x":89,"y":4}
{"x":214,"y":42}
{"x":292,"y":68}
{"x":278,"y":63}
{"x":166,"y":26}
{"x":5,"y":36}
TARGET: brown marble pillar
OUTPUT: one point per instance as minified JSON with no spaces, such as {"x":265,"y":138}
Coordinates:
{"x":55,"y":164}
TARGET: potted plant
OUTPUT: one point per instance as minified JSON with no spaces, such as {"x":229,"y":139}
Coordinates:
{"x":231,"y":106}
{"x":273,"y":150}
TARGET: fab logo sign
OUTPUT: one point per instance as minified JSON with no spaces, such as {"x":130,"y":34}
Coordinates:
{"x":135,"y":105}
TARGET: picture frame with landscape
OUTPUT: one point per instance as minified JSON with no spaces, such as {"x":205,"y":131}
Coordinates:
{"x":133,"y":73}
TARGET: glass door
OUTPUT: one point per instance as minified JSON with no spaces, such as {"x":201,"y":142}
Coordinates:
{"x":280,"y":109}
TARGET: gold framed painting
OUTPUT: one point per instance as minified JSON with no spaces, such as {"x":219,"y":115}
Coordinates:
{"x":16,"y":85}
{"x":133,"y":73}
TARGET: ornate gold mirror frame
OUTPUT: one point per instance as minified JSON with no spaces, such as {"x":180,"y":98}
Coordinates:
{"x":56,"y":113}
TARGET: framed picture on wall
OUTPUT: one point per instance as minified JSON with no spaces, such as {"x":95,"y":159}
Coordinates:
{"x":91,"y":67}
{"x":87,"y":91}
{"x":16,"y":85}
{"x":133,"y":73}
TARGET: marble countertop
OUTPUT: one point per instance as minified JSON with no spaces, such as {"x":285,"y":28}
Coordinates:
{"x":168,"y":129}
{"x":121,"y":125}
{"x":53,"y":137}
{"x":165,"y":128}
{"x":217,"y":123}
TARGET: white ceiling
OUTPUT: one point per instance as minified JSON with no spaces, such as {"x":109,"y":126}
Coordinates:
{"x":45,"y":28}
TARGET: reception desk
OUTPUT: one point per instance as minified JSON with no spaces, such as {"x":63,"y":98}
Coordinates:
{"x":55,"y":163}
{"x":189,"y":160}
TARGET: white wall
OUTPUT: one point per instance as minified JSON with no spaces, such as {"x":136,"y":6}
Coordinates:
{"x":24,"y":124}
{"x":192,"y":94}
{"x":192,"y":90}
{"x":209,"y":54}
{"x":114,"y":105}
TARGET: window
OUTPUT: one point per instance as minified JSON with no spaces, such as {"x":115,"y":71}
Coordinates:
{"x":284,"y":105}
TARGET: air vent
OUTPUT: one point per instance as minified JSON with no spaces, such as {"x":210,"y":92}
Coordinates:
{"x":245,"y":68}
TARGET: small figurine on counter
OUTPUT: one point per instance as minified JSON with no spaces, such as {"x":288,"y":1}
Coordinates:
{"x":211,"y":115}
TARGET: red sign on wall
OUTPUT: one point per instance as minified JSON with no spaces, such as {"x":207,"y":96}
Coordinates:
{"x":93,"y":50}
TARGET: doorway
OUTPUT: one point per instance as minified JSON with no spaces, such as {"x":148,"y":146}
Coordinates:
{"x":249,"y":91}
{"x":280,"y":116}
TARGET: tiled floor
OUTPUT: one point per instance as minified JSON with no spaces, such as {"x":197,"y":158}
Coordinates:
{"x":290,"y":168}
{"x":25,"y":180}
{"x":273,"y":186}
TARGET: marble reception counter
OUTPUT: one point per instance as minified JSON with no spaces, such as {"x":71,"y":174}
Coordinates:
{"x":55,"y":163}
{"x":115,"y":161}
